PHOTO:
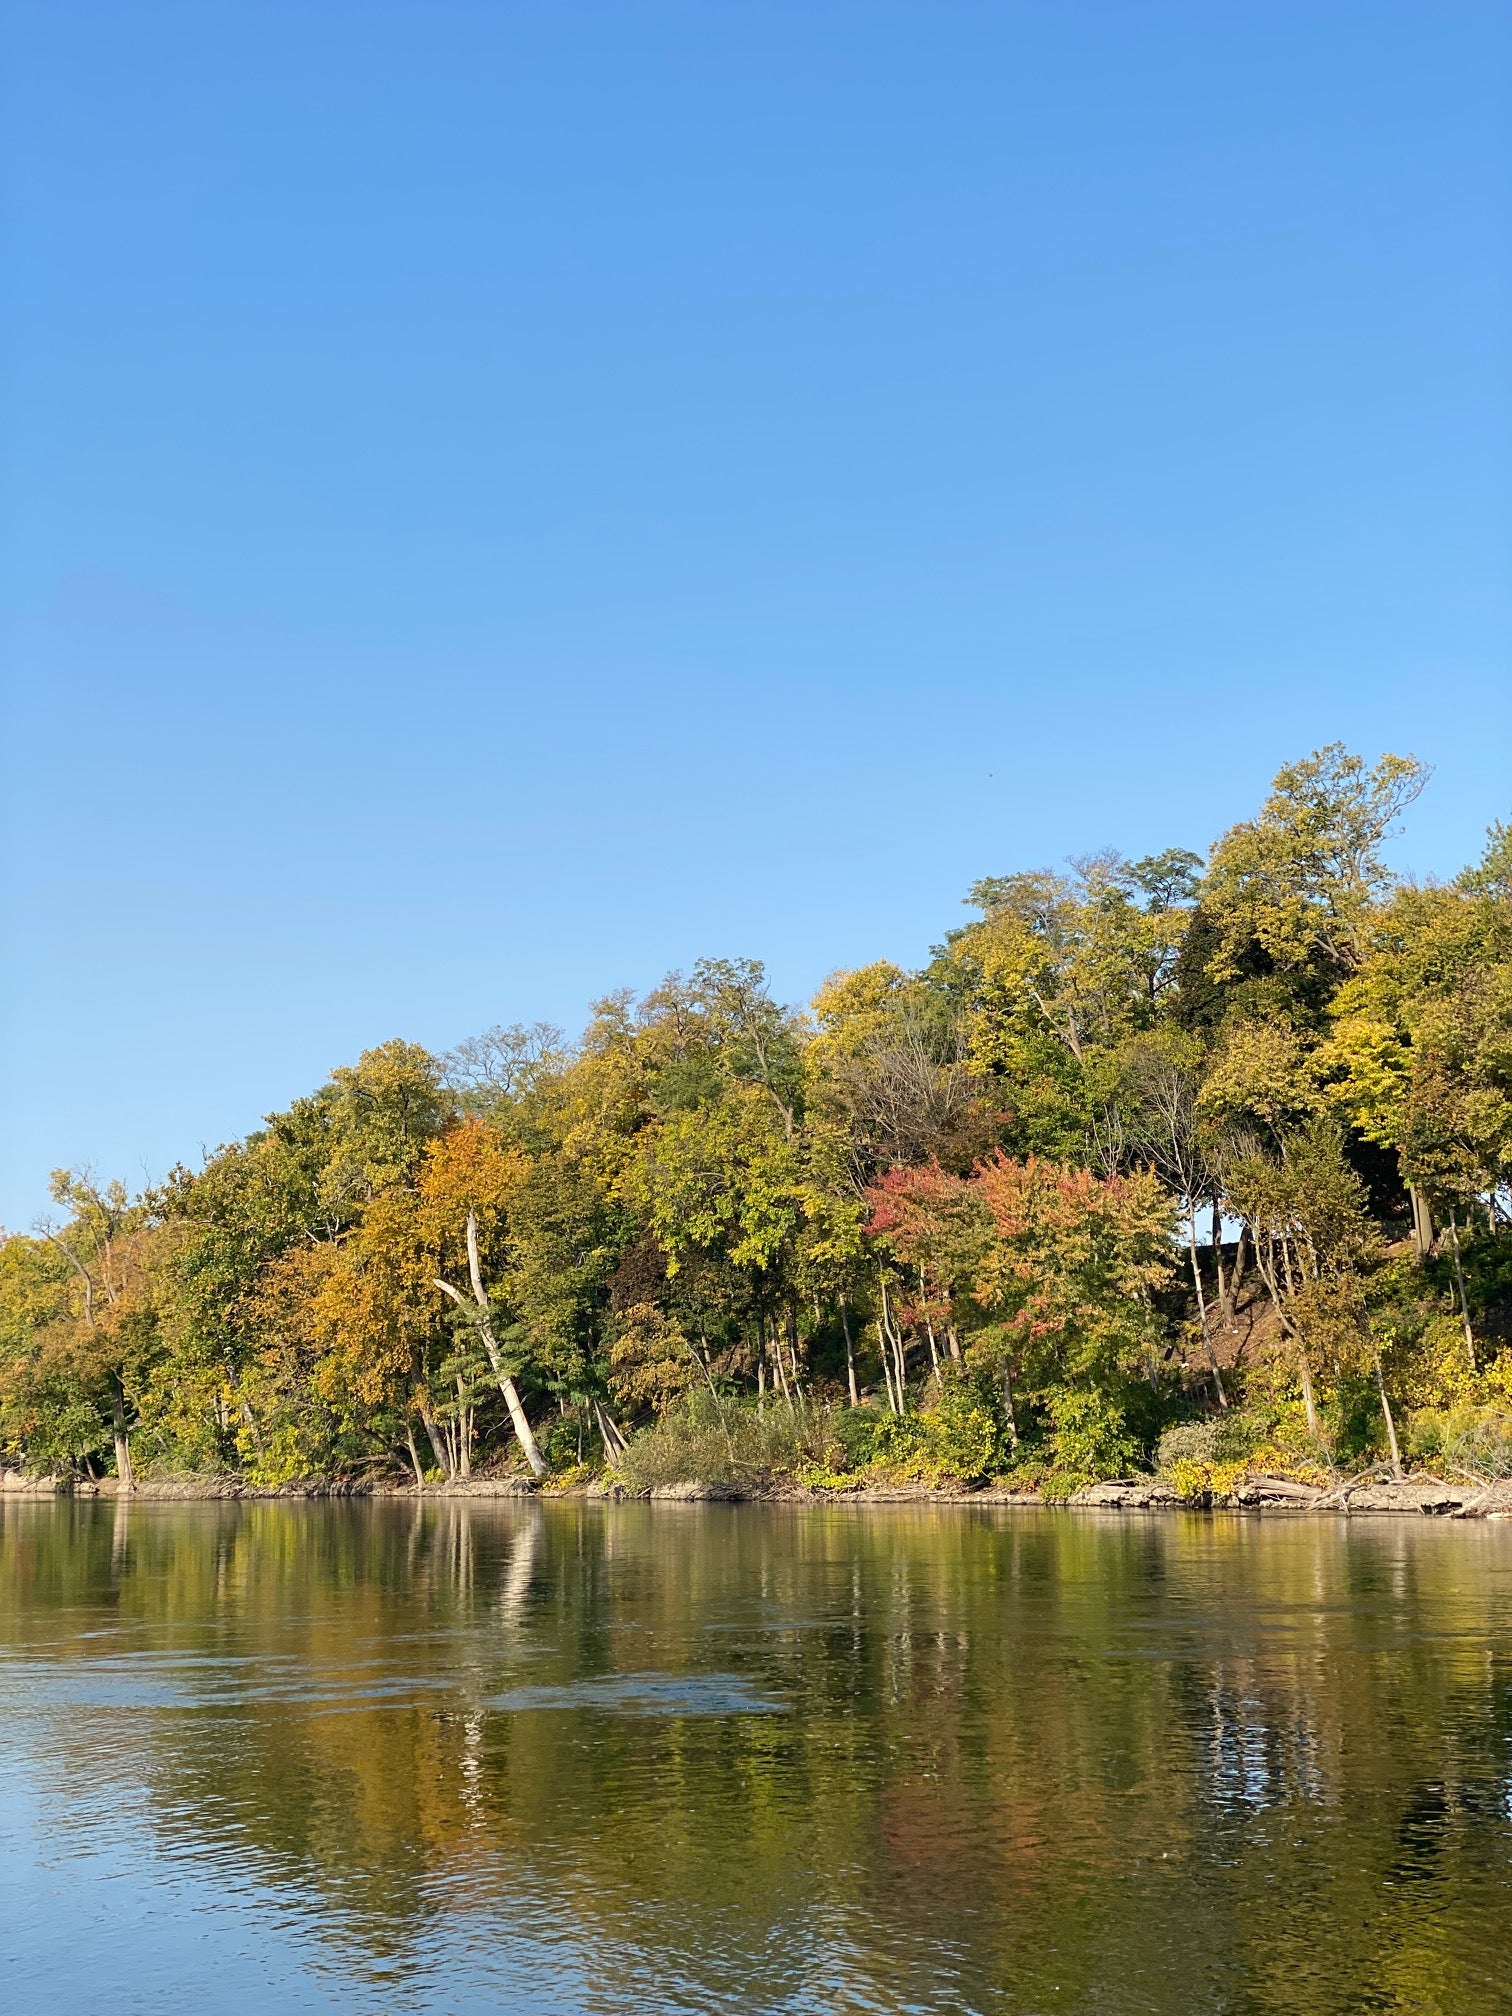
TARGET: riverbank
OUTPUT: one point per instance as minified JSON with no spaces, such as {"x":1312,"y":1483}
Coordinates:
{"x":1419,"y":1496}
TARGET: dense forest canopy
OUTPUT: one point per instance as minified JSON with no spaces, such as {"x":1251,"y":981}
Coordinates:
{"x":1205,"y":1157}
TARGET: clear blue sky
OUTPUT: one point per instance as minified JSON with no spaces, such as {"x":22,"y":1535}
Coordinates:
{"x":500,"y":500}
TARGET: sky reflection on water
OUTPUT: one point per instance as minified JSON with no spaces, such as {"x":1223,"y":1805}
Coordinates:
{"x":458,"y":1757}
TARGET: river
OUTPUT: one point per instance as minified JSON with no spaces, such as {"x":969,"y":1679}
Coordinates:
{"x":471,"y":1756}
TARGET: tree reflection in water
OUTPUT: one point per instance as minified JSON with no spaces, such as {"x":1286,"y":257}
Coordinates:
{"x":585,"y":1756}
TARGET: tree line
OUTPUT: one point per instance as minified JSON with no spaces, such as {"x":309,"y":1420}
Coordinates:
{"x":1203,"y":1160}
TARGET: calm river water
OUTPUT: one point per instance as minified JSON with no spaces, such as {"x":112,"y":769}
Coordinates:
{"x":468,"y":1757}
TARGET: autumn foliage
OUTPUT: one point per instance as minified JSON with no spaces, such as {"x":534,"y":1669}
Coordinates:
{"x":1142,"y":1143}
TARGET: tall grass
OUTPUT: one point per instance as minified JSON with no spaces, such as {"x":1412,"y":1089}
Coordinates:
{"x":713,"y":1440}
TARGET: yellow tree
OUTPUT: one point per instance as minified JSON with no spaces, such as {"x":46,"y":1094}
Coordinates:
{"x":1302,"y":879}
{"x":109,"y":1331}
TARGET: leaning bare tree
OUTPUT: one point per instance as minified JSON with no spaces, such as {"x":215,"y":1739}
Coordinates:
{"x":477,"y":1312}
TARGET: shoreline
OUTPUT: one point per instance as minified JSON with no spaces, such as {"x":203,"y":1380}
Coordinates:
{"x":1416,"y":1497}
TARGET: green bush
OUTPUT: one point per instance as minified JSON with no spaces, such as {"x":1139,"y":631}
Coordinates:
{"x":955,"y":1437}
{"x":960,"y":1436}
{"x":1089,"y":1436}
{"x":863,"y":1434}
{"x":566,"y":1441}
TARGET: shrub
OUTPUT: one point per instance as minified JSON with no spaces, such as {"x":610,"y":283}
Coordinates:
{"x":567,"y":1480}
{"x":862,"y":1433}
{"x":1468,"y":1437}
{"x":896,"y":1444}
{"x":1189,"y":1443}
{"x":719,"y":1441}
{"x":1089,"y":1437}
{"x":563,"y":1443}
{"x":1190,"y":1478}
{"x":960,"y":1434}
{"x":954,"y":1438}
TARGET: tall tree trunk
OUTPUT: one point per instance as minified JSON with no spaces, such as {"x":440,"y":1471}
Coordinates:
{"x":1207,"y":1335}
{"x":613,"y":1438}
{"x":252,"y":1429}
{"x":891,"y":1335}
{"x":1266,"y":1263}
{"x":934,"y":1356}
{"x":885,"y":1351}
{"x":1309,"y":1401}
{"x":1236,"y":1277}
{"x":125,"y":1480}
{"x":432,"y":1429}
{"x":1422,"y":1222}
{"x":1459,"y":1276}
{"x":480,"y":1316}
{"x":1009,"y":1410}
{"x":850,"y":1355}
{"x":414,"y":1455}
{"x":464,"y":1437}
{"x":1286,"y":1266}
{"x":1391,"y":1434}
{"x":1225,"y":1305}
{"x":772,"y":1345}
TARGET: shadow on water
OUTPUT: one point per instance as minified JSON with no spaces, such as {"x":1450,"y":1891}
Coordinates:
{"x":578,"y":1756}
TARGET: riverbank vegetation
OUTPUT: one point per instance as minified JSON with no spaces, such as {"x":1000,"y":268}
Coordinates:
{"x":1194,"y":1162}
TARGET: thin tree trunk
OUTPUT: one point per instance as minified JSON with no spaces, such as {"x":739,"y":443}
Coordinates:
{"x":1459,"y":1276}
{"x":1267,"y":1266}
{"x":891,"y":1335}
{"x":414,"y":1455}
{"x":1422,"y":1222}
{"x":850,"y":1355}
{"x":1207,"y":1335}
{"x":507,"y":1385}
{"x":1236,"y":1278}
{"x":126,"y":1482}
{"x":1391,"y":1434}
{"x":700,"y":1351}
{"x":885,"y":1352}
{"x":464,"y":1453}
{"x":934,"y":1356}
{"x":1009,"y":1410}
{"x":432,"y":1429}
{"x":252,"y":1429}
{"x":613,"y":1437}
{"x":771,"y":1344}
{"x":1309,"y":1402}
{"x":1225,"y":1306}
